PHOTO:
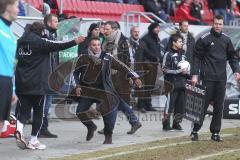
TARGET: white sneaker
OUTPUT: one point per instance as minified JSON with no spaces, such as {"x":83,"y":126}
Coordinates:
{"x":36,"y":146}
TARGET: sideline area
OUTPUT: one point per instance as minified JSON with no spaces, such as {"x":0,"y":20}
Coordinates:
{"x":72,"y":141}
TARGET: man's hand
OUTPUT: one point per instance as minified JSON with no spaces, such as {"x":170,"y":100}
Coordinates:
{"x":78,"y":91}
{"x":79,"y":40}
{"x":183,"y":71}
{"x":14,"y":99}
{"x":130,"y":81}
{"x":138,"y":83}
{"x":237,"y":77}
{"x":194,"y":80}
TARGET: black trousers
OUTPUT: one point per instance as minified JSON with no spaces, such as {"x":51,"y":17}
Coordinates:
{"x":215,"y":91}
{"x":175,"y":105}
{"x":149,"y":80}
{"x":5,"y":97}
{"x":109,"y":119}
{"x":25,"y":104}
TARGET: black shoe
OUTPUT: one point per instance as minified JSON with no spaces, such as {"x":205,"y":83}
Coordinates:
{"x":167,"y":128}
{"x":194,"y":136}
{"x":91,"y":130}
{"x":47,"y":134}
{"x":134,"y":128}
{"x":216,"y":137}
{"x":178,"y":127}
{"x":166,"y":125}
{"x":108,"y":139}
{"x":101,"y":131}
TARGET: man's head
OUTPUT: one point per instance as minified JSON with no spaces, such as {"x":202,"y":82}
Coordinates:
{"x":9,"y":9}
{"x":218,"y":23}
{"x":183,"y":26}
{"x":101,"y":27}
{"x":95,"y":45}
{"x":110,"y":27}
{"x":94,"y":30}
{"x":37,"y":28}
{"x":51,"y":20}
{"x":135,"y":32}
{"x":154,"y":28}
{"x":177,"y":41}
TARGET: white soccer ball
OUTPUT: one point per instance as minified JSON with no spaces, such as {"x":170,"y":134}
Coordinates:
{"x":184,"y":65}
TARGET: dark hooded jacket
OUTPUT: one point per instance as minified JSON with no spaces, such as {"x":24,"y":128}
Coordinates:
{"x":32,"y":68}
{"x":151,"y":45}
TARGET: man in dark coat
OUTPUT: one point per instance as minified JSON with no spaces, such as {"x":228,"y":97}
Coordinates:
{"x":211,"y":53}
{"x":93,"y":70}
{"x":151,"y":57}
{"x":31,"y":77}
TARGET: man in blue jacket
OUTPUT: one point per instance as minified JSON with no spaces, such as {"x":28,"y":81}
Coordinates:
{"x":8,"y":13}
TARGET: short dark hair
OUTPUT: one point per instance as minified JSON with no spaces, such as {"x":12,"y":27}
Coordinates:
{"x":175,"y":37}
{"x":113,"y":25}
{"x":218,"y":17}
{"x":4,"y":4}
{"x":181,"y":22}
{"x":93,"y":39}
{"x":37,"y":28}
{"x":48,"y":18}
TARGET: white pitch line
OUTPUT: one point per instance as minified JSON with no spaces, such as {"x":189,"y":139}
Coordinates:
{"x":213,"y":155}
{"x":140,"y":150}
{"x":146,"y":149}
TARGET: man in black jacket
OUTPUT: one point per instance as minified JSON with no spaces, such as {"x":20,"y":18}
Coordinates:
{"x":51,"y":22}
{"x":31,"y":79}
{"x":211,"y":53}
{"x":151,"y":57}
{"x":93,"y":71}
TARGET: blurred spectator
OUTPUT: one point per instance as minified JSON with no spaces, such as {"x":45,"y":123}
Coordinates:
{"x":183,"y":12}
{"x":21,"y":8}
{"x":196,"y":9}
{"x":219,"y":7}
{"x":50,"y":3}
{"x":46,"y":9}
{"x":155,"y":7}
{"x":168,"y":6}
{"x":93,"y":31}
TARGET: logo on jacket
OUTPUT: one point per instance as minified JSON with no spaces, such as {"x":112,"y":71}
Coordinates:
{"x":212,"y":44}
{"x":24,"y":52}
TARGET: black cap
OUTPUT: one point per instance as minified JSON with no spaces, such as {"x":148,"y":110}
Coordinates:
{"x":92,"y":27}
{"x":152,"y":26}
